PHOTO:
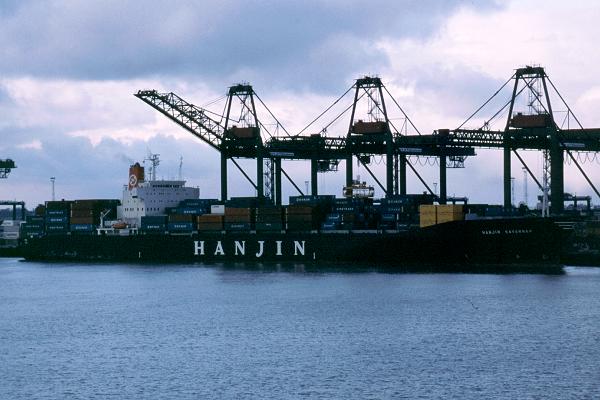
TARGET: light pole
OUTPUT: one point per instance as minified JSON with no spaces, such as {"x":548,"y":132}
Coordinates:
{"x":52,"y":179}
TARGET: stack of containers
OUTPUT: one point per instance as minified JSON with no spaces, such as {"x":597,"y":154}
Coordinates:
{"x":57,"y":217}
{"x":350,"y":213}
{"x":239,"y":218}
{"x":33,"y":226}
{"x":210,"y":222}
{"x":240,"y":213}
{"x":333,"y":221}
{"x":306,"y":213}
{"x":85,"y":214}
{"x":402,"y":209}
{"x":154,"y":224}
{"x":303,"y":218}
{"x":195,"y":206}
{"x":184,"y":217}
{"x":82,"y":216}
{"x":181,"y":223}
{"x":269,"y":218}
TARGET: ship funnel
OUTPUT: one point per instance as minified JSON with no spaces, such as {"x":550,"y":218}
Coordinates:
{"x":136,"y":175}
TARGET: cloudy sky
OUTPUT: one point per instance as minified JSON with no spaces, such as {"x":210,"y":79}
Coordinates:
{"x":68,"y":71}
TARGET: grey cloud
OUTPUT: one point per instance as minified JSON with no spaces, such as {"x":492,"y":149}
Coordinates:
{"x":299,"y":43}
{"x":5,"y":98}
{"x":461,"y":91}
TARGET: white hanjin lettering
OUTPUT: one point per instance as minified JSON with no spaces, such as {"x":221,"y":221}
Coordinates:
{"x":219,"y":249}
{"x":261,"y":244}
{"x":241,"y":247}
{"x":198,"y":247}
{"x":298,"y":248}
{"x":278,"y":248}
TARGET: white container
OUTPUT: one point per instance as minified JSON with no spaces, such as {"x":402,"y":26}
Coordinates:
{"x":217,"y":209}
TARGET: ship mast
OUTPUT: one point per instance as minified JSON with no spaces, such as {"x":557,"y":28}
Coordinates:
{"x":155,"y":160}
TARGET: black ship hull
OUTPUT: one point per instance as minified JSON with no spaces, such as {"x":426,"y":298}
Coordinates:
{"x":528,"y":245}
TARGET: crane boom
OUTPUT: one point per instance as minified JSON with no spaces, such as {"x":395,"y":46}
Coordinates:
{"x":186,"y":115}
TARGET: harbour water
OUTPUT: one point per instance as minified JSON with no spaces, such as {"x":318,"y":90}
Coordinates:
{"x":96,"y":331}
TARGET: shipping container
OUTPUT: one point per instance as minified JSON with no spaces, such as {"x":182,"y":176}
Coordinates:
{"x":57,"y":213}
{"x":198,"y":202}
{"x":530,"y":121}
{"x":239,"y":218}
{"x":330,"y":226}
{"x":154,"y":227}
{"x":229,"y":211}
{"x":82,"y":220}
{"x":57,"y":220}
{"x":181,"y":218}
{"x":180,"y":226}
{"x":370,"y":128}
{"x":57,"y":228}
{"x":249,"y":132}
{"x":82,"y":228}
{"x":58,"y":205}
{"x":269,"y":226}
{"x":210,"y":218}
{"x":238,"y":226}
{"x":241,"y":202}
{"x":210,"y":226}
{"x":193,"y":210}
{"x":217,"y":209}
{"x":325,"y":200}
{"x":35,"y":218}
{"x":154,"y":219}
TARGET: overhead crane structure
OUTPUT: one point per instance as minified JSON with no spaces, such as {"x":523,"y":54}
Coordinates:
{"x":535,"y":128}
{"x":373,"y":133}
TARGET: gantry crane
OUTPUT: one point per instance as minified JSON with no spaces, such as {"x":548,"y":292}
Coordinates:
{"x":533,"y":129}
{"x":5,"y":167}
{"x":375,"y":134}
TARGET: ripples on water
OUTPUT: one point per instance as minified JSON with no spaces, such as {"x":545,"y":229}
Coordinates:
{"x":127,"y":331}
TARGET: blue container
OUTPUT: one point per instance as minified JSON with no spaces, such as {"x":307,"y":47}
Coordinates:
{"x":180,"y":226}
{"x":193,"y":210}
{"x":82,"y":228}
{"x":312,"y":200}
{"x":57,"y":213}
{"x":392,"y":209}
{"x":154,"y":227}
{"x":57,"y":220}
{"x":154,"y":219}
{"x":198,"y":202}
{"x":330,"y":226}
{"x":35,"y":218}
{"x":57,"y":228}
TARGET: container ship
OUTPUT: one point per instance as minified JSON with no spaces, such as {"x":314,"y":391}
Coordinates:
{"x":167,"y":221}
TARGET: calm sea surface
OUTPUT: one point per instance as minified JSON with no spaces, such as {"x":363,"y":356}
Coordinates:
{"x":95,"y":331}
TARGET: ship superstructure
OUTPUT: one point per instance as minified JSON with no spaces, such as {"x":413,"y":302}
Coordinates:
{"x":142,"y":198}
